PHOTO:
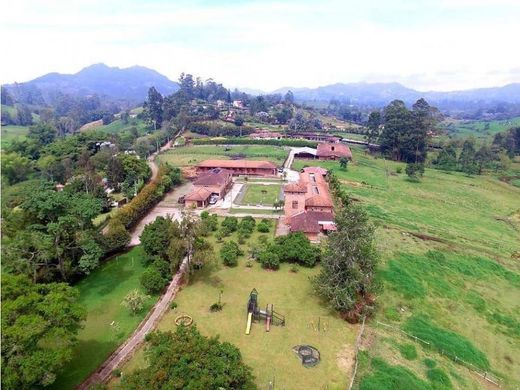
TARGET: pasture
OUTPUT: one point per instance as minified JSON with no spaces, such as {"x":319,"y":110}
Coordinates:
{"x":268,"y":353}
{"x":191,"y":155}
{"x":108,"y":323}
{"x":448,"y":245}
{"x":12,"y":133}
{"x":481,"y":129}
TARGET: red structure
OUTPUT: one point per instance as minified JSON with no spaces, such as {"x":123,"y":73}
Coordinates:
{"x":239,"y":167}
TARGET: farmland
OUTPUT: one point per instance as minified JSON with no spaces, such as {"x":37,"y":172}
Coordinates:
{"x":450,"y":277}
{"x":482,"y":130}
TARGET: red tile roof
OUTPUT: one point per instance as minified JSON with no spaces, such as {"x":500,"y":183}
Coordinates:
{"x":333,"y":150}
{"x":248,"y":164}
{"x":318,"y":201}
{"x":315,"y":170}
{"x":198,"y":194}
{"x":308,"y":221}
{"x":215,"y":177}
{"x":295,"y":187}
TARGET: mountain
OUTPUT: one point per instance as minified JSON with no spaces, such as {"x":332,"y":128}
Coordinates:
{"x":122,"y":84}
{"x":382,"y":93}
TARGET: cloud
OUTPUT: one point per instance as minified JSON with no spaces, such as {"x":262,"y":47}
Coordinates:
{"x":427,"y":45}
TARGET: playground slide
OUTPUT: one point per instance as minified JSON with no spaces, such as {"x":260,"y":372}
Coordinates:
{"x":249,"y":321}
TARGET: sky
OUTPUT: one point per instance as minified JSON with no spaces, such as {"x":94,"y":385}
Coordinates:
{"x":427,"y":45}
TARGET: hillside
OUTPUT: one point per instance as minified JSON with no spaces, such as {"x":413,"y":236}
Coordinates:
{"x":128,"y":84}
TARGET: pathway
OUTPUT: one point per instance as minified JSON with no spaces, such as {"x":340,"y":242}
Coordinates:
{"x":126,"y":350}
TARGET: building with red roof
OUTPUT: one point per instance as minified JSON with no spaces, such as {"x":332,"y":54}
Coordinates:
{"x":214,"y":183}
{"x":239,"y":167}
{"x":333,"y":151}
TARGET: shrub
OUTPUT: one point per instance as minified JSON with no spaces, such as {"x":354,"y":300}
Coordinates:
{"x":399,"y":170}
{"x":269,"y":258}
{"x":295,"y":268}
{"x":173,"y":305}
{"x":134,"y":301}
{"x":262,"y":227}
{"x":152,"y":281}
{"x":229,"y":253}
{"x":163,"y":267}
{"x":117,"y":236}
{"x":216,"y":307}
{"x":204,"y":215}
{"x":296,"y":248}
{"x":116,"y":373}
{"x":408,"y":351}
{"x":230,"y":224}
{"x":430,"y":363}
{"x":439,"y":377}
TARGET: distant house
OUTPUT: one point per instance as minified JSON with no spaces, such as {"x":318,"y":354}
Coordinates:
{"x":333,"y":151}
{"x":238,"y":104}
{"x":305,"y":152}
{"x":308,"y":205}
{"x":239,"y":167}
{"x":213,"y":183}
{"x":319,"y":137}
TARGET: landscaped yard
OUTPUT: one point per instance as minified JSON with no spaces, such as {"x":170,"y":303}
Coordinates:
{"x":260,"y":194}
{"x":191,"y":155}
{"x":108,"y":323}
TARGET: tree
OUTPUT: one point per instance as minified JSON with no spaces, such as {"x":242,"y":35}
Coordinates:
{"x":152,"y":281}
{"x":156,"y":236}
{"x":269,"y":257}
{"x":153,"y":108}
{"x":483,"y":157}
{"x":39,"y":327}
{"x":296,"y":248}
{"x":42,"y":133}
{"x":229,"y":225}
{"x":229,"y":253}
{"x":346,"y":280}
{"x":188,"y":360}
{"x":289,"y":97}
{"x":414,"y":170}
{"x":23,"y":116}
{"x":239,"y":121}
{"x":15,"y":167}
{"x":467,"y":163}
{"x":343,"y":162}
{"x":447,"y":158}
{"x":134,"y":301}
{"x":373,"y":126}
{"x":397,"y":124}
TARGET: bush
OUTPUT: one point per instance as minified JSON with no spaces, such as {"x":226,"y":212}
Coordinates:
{"x":116,"y":373}
{"x":229,"y":253}
{"x":439,"y":378}
{"x":295,"y":269}
{"x":173,"y":305}
{"x":262,"y":227}
{"x":204,"y":215}
{"x":152,"y":281}
{"x":216,"y":307}
{"x":408,"y":351}
{"x":399,"y":170}
{"x":430,"y":363}
{"x":163,"y":267}
{"x":230,"y":224}
{"x":296,"y":248}
{"x":269,"y":258}
{"x":117,"y":236}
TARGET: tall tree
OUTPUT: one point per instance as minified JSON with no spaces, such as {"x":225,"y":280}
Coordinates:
{"x":154,"y":107}
{"x":289,"y":97}
{"x":373,"y":126}
{"x":398,"y":123}
{"x":39,"y":327}
{"x":467,"y":163}
{"x":346,"y":280}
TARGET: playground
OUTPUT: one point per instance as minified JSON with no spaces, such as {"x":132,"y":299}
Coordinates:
{"x":271,"y":354}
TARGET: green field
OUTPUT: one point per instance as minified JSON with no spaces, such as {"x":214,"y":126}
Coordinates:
{"x":260,"y":194}
{"x":12,"y":133}
{"x":269,"y":354}
{"x":191,"y":155}
{"x":462,"y":297}
{"x":117,"y":127}
{"x":481,"y":129}
{"x":108,"y":323}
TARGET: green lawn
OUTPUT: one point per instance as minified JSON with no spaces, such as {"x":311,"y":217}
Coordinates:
{"x":118,"y":126}
{"x":11,"y":133}
{"x":108,"y":323}
{"x":260,"y":194}
{"x":481,"y":129}
{"x":469,"y":294}
{"x":269,"y":354}
{"x":191,"y":155}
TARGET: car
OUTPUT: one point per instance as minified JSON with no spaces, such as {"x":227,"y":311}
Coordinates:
{"x":181,"y":199}
{"x":213,"y":199}
{"x":280,"y":170}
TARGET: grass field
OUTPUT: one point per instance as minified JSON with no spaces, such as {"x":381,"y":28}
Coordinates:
{"x":479,"y":129}
{"x":11,"y":133}
{"x":102,"y":293}
{"x":118,"y":126}
{"x":190,"y":155}
{"x":269,"y":354}
{"x":450,"y":276}
{"x":260,"y":194}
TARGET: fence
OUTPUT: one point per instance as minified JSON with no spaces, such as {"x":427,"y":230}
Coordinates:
{"x":483,"y":374}
{"x":358,"y":344}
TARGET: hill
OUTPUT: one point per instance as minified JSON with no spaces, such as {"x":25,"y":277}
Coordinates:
{"x":382,"y":93}
{"x":127,"y":84}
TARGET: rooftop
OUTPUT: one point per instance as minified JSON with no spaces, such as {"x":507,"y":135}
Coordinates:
{"x":333,"y":149}
{"x":310,"y":221}
{"x":217,"y":176}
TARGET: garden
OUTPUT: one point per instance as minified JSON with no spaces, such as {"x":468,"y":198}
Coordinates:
{"x":216,"y":298}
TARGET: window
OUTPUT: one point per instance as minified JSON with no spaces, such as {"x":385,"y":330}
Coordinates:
{"x":313,"y":178}
{"x":294,"y":204}
{"x":332,"y":148}
{"x":316,"y":191}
